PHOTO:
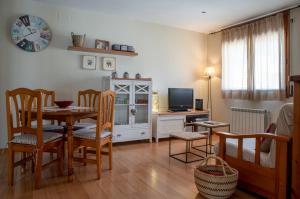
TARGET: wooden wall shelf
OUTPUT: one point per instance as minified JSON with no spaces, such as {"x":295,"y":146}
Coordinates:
{"x":96,"y":50}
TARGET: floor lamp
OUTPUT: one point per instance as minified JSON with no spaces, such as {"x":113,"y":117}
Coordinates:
{"x":209,"y":72}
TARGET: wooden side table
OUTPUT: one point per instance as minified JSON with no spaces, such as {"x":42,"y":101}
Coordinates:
{"x":188,"y":137}
{"x":209,"y":125}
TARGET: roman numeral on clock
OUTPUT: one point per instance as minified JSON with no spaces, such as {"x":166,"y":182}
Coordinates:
{"x":25,"y":20}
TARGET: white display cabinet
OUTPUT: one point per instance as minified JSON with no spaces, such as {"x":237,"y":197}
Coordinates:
{"x":133,"y":106}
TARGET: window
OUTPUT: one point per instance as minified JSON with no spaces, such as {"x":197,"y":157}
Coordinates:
{"x":253,"y":60}
{"x":267,"y":61}
{"x":235,"y":65}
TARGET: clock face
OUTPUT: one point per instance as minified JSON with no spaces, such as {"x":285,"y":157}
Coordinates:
{"x":31,"y":33}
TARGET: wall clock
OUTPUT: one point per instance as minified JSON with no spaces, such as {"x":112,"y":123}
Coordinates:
{"x":31,"y":33}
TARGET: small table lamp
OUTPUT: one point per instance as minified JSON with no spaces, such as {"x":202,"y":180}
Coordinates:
{"x":209,"y":72}
{"x":155,"y":102}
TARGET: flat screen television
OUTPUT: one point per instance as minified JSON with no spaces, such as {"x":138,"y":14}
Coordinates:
{"x":180,"y":99}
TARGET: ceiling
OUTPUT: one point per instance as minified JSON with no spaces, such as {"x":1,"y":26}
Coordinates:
{"x":185,"y":14}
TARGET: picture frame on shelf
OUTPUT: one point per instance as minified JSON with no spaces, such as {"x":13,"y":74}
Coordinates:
{"x":102,"y":44}
{"x":89,"y":62}
{"x":109,"y":63}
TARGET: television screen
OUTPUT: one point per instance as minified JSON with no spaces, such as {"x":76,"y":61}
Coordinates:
{"x":180,"y":99}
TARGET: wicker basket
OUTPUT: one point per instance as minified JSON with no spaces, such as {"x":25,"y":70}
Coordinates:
{"x":215,"y":181}
{"x":78,"y":40}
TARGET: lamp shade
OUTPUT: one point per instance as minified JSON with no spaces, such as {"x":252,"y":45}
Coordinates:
{"x":210,"y":71}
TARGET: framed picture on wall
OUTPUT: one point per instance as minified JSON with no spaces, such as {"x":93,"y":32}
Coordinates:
{"x":89,"y":62}
{"x":109,"y":63}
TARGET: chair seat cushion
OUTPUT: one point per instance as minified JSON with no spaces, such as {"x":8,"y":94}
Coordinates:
{"x":83,"y":125}
{"x":50,"y":127}
{"x":248,"y":151}
{"x":32,"y":139}
{"x":190,"y":135}
{"x":90,"y":134}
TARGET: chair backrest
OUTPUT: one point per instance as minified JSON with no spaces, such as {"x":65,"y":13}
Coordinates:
{"x":88,"y":98}
{"x":22,"y":107}
{"x":48,"y":97}
{"x":105,"y":118}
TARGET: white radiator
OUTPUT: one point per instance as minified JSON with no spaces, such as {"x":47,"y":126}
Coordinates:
{"x":244,"y":120}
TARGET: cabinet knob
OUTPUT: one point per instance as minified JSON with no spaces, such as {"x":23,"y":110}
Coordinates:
{"x":133,"y":111}
{"x":143,"y":133}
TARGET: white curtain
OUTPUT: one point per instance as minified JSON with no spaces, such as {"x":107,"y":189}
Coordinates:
{"x":253,"y":60}
{"x":234,"y":62}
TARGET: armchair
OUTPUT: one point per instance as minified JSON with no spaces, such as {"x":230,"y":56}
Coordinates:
{"x":264,"y":173}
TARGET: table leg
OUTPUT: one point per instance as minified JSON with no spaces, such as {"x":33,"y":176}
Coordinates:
{"x":186,"y":151}
{"x":69,"y":124}
{"x":210,"y":139}
{"x":170,"y":146}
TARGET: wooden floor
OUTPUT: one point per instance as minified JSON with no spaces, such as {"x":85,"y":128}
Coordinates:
{"x":140,"y":171}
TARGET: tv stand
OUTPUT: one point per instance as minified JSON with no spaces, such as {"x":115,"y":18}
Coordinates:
{"x":165,"y":123}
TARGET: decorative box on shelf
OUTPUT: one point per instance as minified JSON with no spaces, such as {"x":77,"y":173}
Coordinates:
{"x":133,"y":105}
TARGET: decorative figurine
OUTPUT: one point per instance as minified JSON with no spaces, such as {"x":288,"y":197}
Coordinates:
{"x":126,"y":75}
{"x":138,"y":76}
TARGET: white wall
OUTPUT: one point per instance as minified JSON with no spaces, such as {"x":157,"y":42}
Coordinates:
{"x":221,"y":107}
{"x":295,"y":44}
{"x":172,"y":57}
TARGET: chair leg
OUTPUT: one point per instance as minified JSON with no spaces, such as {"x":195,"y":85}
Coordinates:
{"x":60,"y":159}
{"x":32,"y":163}
{"x":11,"y":157}
{"x":84,"y":155}
{"x":23,"y":157}
{"x":205,"y":147}
{"x":63,"y":147}
{"x":98,"y":160}
{"x":51,"y":156}
{"x":38,"y":168}
{"x":110,"y":155}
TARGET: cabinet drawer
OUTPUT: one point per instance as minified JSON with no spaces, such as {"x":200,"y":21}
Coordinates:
{"x":131,"y":135}
{"x":169,"y":126}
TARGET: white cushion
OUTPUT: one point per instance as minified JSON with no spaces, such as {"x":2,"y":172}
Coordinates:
{"x":32,"y":139}
{"x":248,"y":151}
{"x":285,"y":120}
{"x":90,"y":134}
{"x":85,"y":125}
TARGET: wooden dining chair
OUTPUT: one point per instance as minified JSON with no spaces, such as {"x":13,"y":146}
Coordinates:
{"x":87,"y":98}
{"x":48,"y":98}
{"x":101,"y":136}
{"x":22,"y":106}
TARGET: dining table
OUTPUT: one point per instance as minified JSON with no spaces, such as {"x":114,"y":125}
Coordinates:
{"x":69,"y":115}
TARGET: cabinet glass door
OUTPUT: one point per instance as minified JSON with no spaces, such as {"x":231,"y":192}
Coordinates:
{"x":141,"y":103}
{"x":122,"y":102}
